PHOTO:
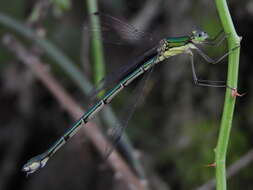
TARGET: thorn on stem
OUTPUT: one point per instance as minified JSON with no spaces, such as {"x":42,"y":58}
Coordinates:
{"x":211,"y":165}
{"x":235,"y":93}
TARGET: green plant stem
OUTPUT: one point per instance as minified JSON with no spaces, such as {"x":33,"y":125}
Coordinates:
{"x":229,"y":103}
{"x":98,"y":68}
{"x":96,"y":45}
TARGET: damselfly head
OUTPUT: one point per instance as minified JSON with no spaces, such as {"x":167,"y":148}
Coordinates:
{"x":198,"y":36}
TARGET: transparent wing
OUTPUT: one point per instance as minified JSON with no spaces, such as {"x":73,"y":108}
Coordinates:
{"x":123,"y":71}
{"x":115,"y":31}
{"x":118,"y":130}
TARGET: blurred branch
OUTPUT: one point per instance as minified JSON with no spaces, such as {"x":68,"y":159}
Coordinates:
{"x":51,"y":50}
{"x":233,"y":169}
{"x":229,"y":103}
{"x":120,"y":168}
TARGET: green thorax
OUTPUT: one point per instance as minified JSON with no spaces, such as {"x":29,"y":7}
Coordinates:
{"x":178,"y":41}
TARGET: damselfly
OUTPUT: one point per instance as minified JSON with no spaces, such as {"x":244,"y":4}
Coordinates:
{"x":165,"y":49}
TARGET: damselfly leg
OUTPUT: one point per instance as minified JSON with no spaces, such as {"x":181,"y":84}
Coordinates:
{"x":209,"y":83}
{"x":217,"y":40}
{"x":213,"y":60}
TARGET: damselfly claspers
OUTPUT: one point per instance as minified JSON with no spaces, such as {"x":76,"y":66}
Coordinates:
{"x":167,"y":47}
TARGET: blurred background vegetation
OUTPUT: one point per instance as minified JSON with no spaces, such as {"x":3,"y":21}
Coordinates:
{"x":175,"y":127}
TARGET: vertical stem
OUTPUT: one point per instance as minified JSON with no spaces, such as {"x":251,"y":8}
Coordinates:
{"x":229,"y":103}
{"x":98,"y":72}
{"x":96,"y":45}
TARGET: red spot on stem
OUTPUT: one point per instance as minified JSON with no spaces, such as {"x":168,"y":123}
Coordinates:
{"x":211,"y":165}
{"x":235,"y":93}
